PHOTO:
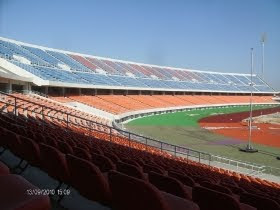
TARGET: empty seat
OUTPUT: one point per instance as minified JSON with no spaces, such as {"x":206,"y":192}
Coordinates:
{"x":208,"y":199}
{"x":54,"y":163}
{"x":31,"y":151}
{"x":233,"y":188}
{"x":132,"y":193}
{"x":18,"y":194}
{"x":103,"y":163}
{"x":216,"y":187}
{"x":112,"y":156}
{"x":11,"y":141}
{"x":4,"y":170}
{"x":169,"y":184}
{"x":148,"y":168}
{"x":131,"y":162}
{"x":88,"y":180}
{"x":51,"y":141}
{"x":260,"y":202}
{"x":81,"y":153}
{"x":65,"y":147}
{"x":186,"y":180}
{"x":131,"y":170}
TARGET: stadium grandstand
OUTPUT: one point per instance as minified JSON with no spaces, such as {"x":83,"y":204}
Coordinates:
{"x":62,"y":114}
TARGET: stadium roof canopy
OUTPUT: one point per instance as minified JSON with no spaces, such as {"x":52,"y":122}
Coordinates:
{"x":51,"y":67}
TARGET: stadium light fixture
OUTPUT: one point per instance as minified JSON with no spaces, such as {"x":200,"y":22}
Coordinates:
{"x":263,"y":39}
{"x":249,"y":148}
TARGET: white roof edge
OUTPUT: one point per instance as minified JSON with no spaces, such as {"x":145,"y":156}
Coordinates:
{"x":117,"y":60}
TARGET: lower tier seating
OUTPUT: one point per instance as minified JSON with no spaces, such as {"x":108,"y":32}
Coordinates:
{"x":16,"y":193}
{"x":92,"y":163}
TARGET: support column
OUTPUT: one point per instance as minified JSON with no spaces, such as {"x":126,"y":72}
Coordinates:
{"x":46,"y":90}
{"x":9,"y":87}
{"x":63,"y":91}
{"x":27,"y":87}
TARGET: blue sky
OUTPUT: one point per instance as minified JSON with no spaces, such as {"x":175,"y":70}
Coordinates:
{"x":207,"y":35}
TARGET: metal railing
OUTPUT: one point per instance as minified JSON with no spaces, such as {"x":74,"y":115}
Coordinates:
{"x":116,"y":131}
{"x":239,"y":166}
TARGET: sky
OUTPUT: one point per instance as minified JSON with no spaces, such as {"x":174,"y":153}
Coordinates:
{"x":210,"y":35}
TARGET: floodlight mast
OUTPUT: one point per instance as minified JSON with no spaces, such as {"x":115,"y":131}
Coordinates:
{"x":249,"y":146}
{"x":263,"y":39}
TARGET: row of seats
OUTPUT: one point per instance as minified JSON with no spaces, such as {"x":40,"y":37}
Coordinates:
{"x":29,"y":99}
{"x":17,"y":193}
{"x":76,"y":159}
{"x":118,"y":104}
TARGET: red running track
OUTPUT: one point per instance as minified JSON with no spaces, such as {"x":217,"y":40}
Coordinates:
{"x":232,"y":126}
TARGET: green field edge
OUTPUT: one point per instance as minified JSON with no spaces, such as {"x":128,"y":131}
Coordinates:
{"x":160,"y":127}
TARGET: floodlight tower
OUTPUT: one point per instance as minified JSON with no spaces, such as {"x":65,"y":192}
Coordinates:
{"x":263,"y":39}
{"x":249,"y":147}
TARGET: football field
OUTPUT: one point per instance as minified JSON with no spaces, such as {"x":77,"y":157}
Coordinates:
{"x":182,"y":128}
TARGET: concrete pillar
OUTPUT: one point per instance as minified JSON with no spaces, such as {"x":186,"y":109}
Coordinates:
{"x":63,"y":91}
{"x":140,"y":92}
{"x":46,"y":90}
{"x":27,"y":87}
{"x":9,"y":87}
{"x":79,"y":91}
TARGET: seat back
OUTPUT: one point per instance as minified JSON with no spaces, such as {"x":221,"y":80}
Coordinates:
{"x":169,"y":185}
{"x":205,"y":198}
{"x":81,"y":153}
{"x":261,"y":203}
{"x":112,"y":156}
{"x":15,"y":194}
{"x":216,"y":187}
{"x":88,"y":179}
{"x":186,"y":180}
{"x":31,"y":151}
{"x":104,"y":163}
{"x":65,"y":147}
{"x":130,"y":170}
{"x":132,"y":193}
{"x":54,"y":162}
{"x":4,"y":170}
{"x":149,"y":168}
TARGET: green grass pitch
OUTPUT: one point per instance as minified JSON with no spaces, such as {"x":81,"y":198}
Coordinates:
{"x":182,"y":128}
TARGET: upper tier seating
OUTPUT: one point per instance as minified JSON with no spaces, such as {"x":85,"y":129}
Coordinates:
{"x":59,"y":66}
